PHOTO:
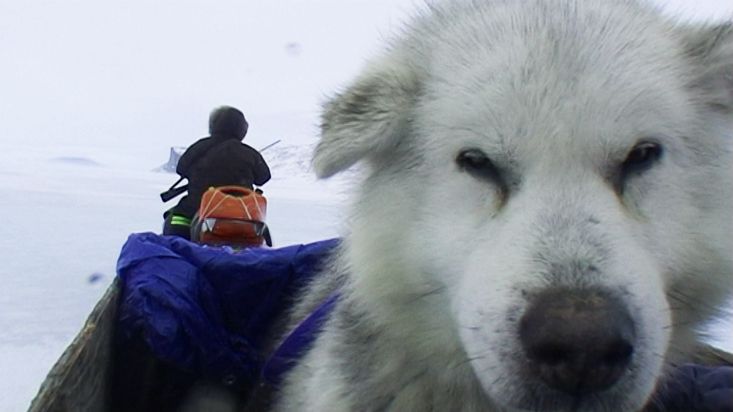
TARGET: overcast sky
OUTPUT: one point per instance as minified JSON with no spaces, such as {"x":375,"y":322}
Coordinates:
{"x":147,"y":73}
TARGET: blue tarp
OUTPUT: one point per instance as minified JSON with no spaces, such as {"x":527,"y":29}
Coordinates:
{"x":206,"y":310}
{"x":696,"y":388}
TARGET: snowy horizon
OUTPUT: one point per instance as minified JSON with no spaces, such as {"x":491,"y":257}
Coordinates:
{"x":96,"y":93}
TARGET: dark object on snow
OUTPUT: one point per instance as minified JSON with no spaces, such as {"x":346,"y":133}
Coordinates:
{"x":188,"y":314}
{"x":95,"y":277}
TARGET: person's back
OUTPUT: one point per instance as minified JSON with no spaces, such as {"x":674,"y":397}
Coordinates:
{"x":218,"y":160}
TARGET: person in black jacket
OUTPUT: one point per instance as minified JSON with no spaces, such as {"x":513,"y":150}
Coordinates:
{"x":218,"y":160}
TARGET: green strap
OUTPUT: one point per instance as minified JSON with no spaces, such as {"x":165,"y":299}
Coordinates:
{"x":178,"y":220}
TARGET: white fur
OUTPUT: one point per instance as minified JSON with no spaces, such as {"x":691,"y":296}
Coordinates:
{"x":438,"y":262}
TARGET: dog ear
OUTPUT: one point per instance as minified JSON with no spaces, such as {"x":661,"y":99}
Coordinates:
{"x":711,"y":48}
{"x":367,"y":119}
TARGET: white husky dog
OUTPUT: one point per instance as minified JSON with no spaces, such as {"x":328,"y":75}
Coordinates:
{"x":545,"y":216}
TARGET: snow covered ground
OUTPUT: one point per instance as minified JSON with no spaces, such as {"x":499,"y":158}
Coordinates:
{"x":94,"y":94}
{"x":68,"y":211}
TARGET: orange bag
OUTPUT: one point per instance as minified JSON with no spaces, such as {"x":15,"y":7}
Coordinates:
{"x":231,"y":215}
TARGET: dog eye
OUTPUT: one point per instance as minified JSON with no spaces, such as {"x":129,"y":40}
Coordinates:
{"x":642,"y":157}
{"x":477,"y":164}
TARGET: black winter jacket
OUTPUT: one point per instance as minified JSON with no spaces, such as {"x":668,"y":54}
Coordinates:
{"x":219,"y":160}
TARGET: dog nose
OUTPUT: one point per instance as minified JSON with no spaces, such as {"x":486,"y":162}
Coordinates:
{"x":577,"y":341}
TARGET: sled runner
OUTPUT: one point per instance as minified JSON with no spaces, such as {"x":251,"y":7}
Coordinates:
{"x":180,"y":313}
{"x":231,"y":215}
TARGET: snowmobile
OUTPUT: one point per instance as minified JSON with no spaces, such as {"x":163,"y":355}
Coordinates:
{"x":228,"y":215}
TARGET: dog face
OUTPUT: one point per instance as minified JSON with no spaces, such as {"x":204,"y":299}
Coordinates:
{"x":560,"y":172}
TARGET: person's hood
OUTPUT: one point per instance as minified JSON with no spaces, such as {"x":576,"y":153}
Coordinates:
{"x":228,"y":122}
